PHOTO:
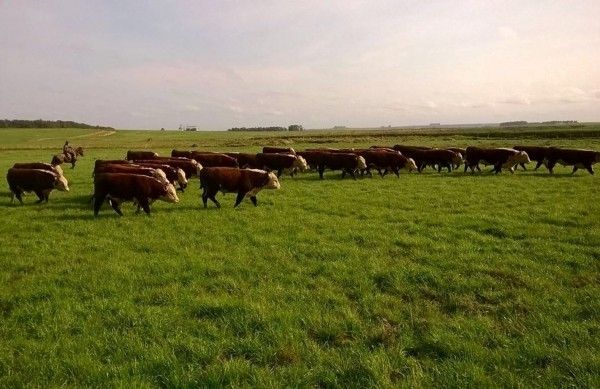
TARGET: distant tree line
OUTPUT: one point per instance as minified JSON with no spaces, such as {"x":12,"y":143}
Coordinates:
{"x":39,"y":123}
{"x":524,"y":123}
{"x":293,"y":127}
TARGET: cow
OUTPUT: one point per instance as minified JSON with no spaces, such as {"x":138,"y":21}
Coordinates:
{"x":348,"y":163}
{"x":174,"y":175}
{"x":159,"y":174}
{"x":245,"y":160}
{"x":498,"y":157}
{"x":281,"y":162}
{"x":384,"y":160}
{"x":312,"y":157}
{"x":438,"y":157}
{"x":278,"y":150}
{"x":214,"y":159}
{"x":535,"y":153}
{"x":131,"y":155}
{"x":120,"y":187}
{"x":244,"y":182}
{"x":577,"y":158}
{"x":39,"y":165}
{"x":413,"y":152}
{"x":461,"y":151}
{"x":39,"y":181}
{"x":181,"y":153}
{"x":190,"y":166}
{"x":101,"y":162}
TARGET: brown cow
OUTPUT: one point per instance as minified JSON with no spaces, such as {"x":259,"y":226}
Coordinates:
{"x":438,"y":157}
{"x":384,"y":160}
{"x":498,"y":157}
{"x":281,"y":162}
{"x":41,"y":182}
{"x":346,"y":162}
{"x":244,"y":182}
{"x":535,"y":153}
{"x":159,"y":174}
{"x":278,"y":150}
{"x":577,"y":158}
{"x":174,"y":175}
{"x":214,"y":159}
{"x":181,"y":153}
{"x":39,"y":165}
{"x":461,"y":151}
{"x":190,"y":166}
{"x":120,"y":187}
{"x":313,"y":158}
{"x":131,"y":155}
{"x":245,"y":160}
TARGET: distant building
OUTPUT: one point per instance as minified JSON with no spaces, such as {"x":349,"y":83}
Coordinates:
{"x":435,"y":124}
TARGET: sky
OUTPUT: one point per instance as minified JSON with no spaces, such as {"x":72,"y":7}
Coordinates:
{"x":220,"y":64}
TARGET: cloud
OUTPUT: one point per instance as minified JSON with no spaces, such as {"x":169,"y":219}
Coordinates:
{"x":516,"y":100}
{"x":506,"y":32}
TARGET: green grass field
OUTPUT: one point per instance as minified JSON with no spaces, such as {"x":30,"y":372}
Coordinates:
{"x":446,"y":280}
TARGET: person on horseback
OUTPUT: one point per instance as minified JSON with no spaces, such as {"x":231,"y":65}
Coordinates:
{"x":69,"y":151}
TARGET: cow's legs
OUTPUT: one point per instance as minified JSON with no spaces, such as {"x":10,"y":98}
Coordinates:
{"x":539,"y":163}
{"x":98,"y":200}
{"x":143,"y":202}
{"x":321,"y":169}
{"x":550,"y":166}
{"x":115,"y":205}
{"x":239,"y":198}
{"x":351,"y":172}
{"x":279,"y":172}
{"x":574,"y":169}
{"x":205,"y":198}
{"x":396,"y":172}
{"x":46,"y":195}
{"x":523,"y":166}
{"x":254,"y":201}
{"x":590,"y":169}
{"x":343,"y":173}
{"x":40,"y":196}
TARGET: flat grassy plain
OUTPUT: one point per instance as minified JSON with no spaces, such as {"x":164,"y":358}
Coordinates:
{"x":446,"y":280}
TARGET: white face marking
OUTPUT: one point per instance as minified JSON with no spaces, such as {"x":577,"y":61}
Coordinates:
{"x":300,"y":163}
{"x":181,"y":178}
{"x":273,"y":182}
{"x":62,"y":184}
{"x":171,"y":196}
{"x":58,"y":170}
{"x":362,"y":164}
{"x":198,"y":168}
{"x":411,"y":165}
{"x":161,"y":176}
{"x":257,"y":170}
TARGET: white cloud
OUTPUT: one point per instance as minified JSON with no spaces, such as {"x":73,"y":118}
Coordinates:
{"x":506,"y":32}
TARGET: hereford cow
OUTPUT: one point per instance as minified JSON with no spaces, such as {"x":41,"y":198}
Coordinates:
{"x":39,"y":165}
{"x":499,"y":157}
{"x":245,"y":160}
{"x":159,"y":174}
{"x":577,"y":158}
{"x":214,"y":159}
{"x":535,"y":153}
{"x":461,"y":151}
{"x":438,"y":157}
{"x":39,"y":181}
{"x":280,"y":162}
{"x":190,"y":166}
{"x":244,"y":182}
{"x":174,"y":175}
{"x":120,"y":187}
{"x":384,"y":160}
{"x":131,"y":155}
{"x":313,"y":158}
{"x":346,"y":162}
{"x":279,"y":150}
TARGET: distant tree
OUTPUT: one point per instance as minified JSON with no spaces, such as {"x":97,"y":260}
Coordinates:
{"x":295,"y":127}
{"x":39,"y":123}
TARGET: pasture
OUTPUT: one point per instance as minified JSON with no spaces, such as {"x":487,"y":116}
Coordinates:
{"x":446,"y":280}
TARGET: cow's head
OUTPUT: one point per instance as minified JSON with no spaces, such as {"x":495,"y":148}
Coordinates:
{"x":160,"y":176}
{"x":515,"y":159}
{"x":170,"y":195}
{"x":410,"y":165}
{"x":58,"y":170}
{"x":457,"y":159}
{"x":154,"y":155}
{"x":61,"y":183}
{"x":300,"y":163}
{"x":362,"y":164}
{"x":272,"y":181}
{"x":181,"y":179}
{"x":198,"y":167}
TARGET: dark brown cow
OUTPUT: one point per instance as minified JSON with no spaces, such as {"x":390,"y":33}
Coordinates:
{"x":411,"y":152}
{"x":190,"y":166}
{"x":346,"y":162}
{"x":313,"y":158}
{"x":245,"y":160}
{"x":281,"y":162}
{"x":498,"y":157}
{"x":131,"y":155}
{"x":384,"y":160}
{"x":244,"y":182}
{"x":279,"y":150}
{"x":101,"y":162}
{"x":174,"y":175}
{"x":438,"y":157}
{"x":181,"y":153}
{"x":120,"y":187}
{"x":39,"y":165}
{"x":535,"y":153}
{"x":461,"y":151}
{"x":214,"y":159}
{"x":159,"y":174}
{"x":577,"y":158}
{"x":41,"y":182}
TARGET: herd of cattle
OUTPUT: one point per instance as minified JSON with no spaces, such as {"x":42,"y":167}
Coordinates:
{"x":144,"y":176}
